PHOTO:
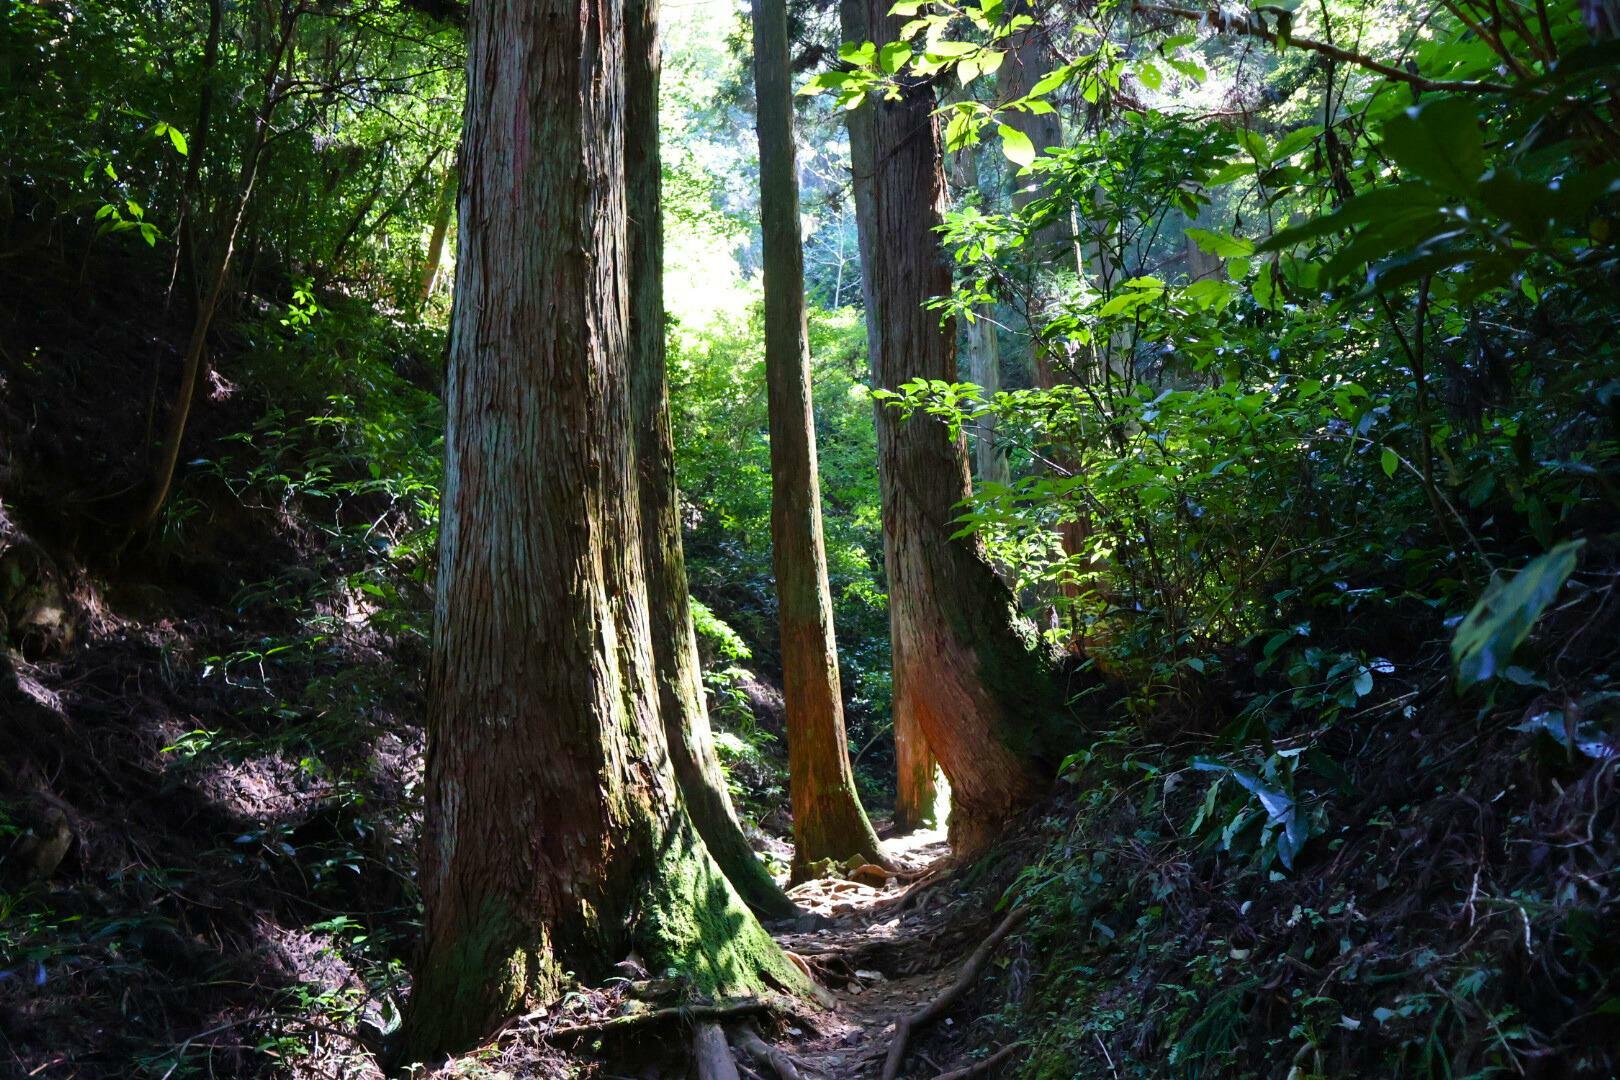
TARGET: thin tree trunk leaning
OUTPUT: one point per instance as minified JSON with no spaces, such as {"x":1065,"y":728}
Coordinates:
{"x":678,"y":671}
{"x":185,"y":246}
{"x":162,"y":477}
{"x":555,"y":837}
{"x":981,"y":694}
{"x":441,"y":227}
{"x":359,"y":230}
{"x":827,"y":817}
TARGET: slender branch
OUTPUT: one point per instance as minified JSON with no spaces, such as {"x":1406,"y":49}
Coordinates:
{"x":1253,"y":27}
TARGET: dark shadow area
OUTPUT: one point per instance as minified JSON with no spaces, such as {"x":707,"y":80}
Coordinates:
{"x":208,"y":754}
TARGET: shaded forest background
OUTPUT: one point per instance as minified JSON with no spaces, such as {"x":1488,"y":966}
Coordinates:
{"x":1303,"y":324}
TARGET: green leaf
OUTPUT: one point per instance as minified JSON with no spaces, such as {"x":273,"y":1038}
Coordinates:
{"x":861,"y":55}
{"x":1227,"y":247}
{"x":893,"y":56}
{"x":1390,"y":461}
{"x":1439,"y":141}
{"x":1363,"y":683}
{"x":178,"y":140}
{"x":1016,"y":145}
{"x":1265,"y":288}
{"x":1502,"y":618}
{"x":1051,"y":81}
{"x":827,"y":80}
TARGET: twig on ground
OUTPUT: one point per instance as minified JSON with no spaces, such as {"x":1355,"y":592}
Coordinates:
{"x":936,"y":1008}
{"x":980,"y":1068}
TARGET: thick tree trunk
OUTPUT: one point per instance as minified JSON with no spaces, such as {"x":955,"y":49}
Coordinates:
{"x":978,"y":690}
{"x":679,"y":674}
{"x":1029,"y":58}
{"x":555,"y":838}
{"x":916,"y":786}
{"x":827,"y":817}
{"x":984,"y":354}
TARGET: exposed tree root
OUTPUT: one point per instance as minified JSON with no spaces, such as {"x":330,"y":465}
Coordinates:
{"x":710,"y":1055}
{"x":691,"y":1014}
{"x":746,"y":1039}
{"x":983,"y":1068}
{"x":936,"y":1008}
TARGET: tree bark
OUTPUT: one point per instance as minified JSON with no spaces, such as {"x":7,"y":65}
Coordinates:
{"x":916,"y":787}
{"x":678,"y":671}
{"x":1029,"y":58}
{"x":980,"y":693}
{"x":984,"y":355}
{"x":827,"y":817}
{"x":555,"y":839}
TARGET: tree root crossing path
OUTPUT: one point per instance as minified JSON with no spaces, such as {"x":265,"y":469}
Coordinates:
{"x":894,"y":954}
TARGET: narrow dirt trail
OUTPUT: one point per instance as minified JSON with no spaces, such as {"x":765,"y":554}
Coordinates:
{"x":883,"y":952}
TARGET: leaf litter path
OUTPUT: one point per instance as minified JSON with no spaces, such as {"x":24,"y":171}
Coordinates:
{"x":883,"y":952}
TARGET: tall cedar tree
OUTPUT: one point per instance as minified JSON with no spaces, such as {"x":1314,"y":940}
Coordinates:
{"x":1029,"y":58}
{"x":679,"y":673}
{"x":981,"y":695}
{"x":827,"y":817}
{"x":556,"y":839}
{"x":984,"y":350}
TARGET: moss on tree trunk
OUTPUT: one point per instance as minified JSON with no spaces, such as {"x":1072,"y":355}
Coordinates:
{"x":556,"y":838}
{"x":679,"y":674}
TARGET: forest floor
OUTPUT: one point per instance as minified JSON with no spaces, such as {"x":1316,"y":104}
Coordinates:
{"x":209,"y":771}
{"x":880,"y":953}
{"x":886,"y":953}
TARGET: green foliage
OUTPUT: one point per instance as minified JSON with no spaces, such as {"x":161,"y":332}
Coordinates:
{"x":104,"y":104}
{"x":1502,"y":618}
{"x":722,"y":455}
{"x":1310,"y":374}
